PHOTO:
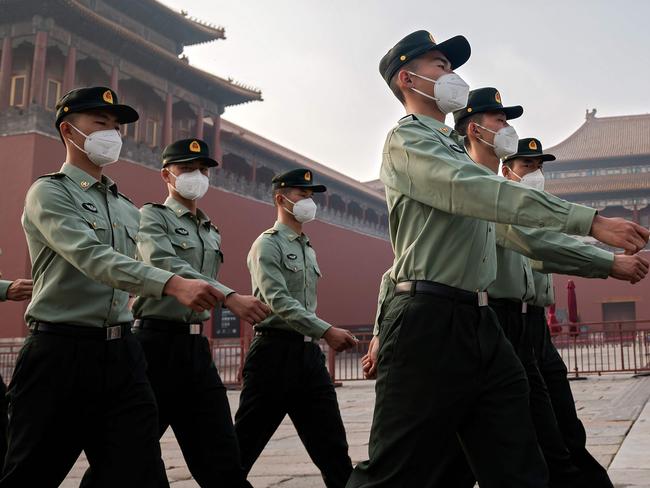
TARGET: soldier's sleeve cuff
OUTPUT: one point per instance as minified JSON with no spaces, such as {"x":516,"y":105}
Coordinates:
{"x":603,"y":262}
{"x":223,"y":288}
{"x":579,"y":220}
{"x":4,"y":287}
{"x":320,"y":327}
{"x":155,"y":283}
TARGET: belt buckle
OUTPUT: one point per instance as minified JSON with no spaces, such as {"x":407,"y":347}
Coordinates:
{"x":482,"y":298}
{"x":524,"y":308}
{"x":114,"y":332}
{"x":195,"y":329}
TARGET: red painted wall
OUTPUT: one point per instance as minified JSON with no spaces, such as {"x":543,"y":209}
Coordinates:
{"x":352,"y":263}
{"x":591,"y":293}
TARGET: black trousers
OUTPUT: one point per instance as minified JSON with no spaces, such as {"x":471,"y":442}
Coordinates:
{"x":283,"y":375}
{"x":554,"y":372}
{"x":70,"y":394}
{"x":562,"y":471}
{"x":192,"y":400}
{"x":447,"y":371}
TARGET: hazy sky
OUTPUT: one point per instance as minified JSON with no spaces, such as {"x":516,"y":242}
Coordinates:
{"x":316,"y":62}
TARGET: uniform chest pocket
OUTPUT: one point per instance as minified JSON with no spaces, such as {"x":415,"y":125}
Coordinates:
{"x":185,"y":248}
{"x":130,"y":243}
{"x":212,"y":258}
{"x":100,"y":226}
{"x":294,"y":273}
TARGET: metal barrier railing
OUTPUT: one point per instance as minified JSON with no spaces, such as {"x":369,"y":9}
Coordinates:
{"x":604,"y":347}
{"x":586,"y":348}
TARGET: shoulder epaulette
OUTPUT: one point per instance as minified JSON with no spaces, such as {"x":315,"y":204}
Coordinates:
{"x":157,"y":205}
{"x":56,"y":175}
{"x":271,"y":231}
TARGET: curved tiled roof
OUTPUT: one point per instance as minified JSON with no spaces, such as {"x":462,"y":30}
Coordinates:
{"x":598,"y":184}
{"x":605,"y":137}
{"x":177,"y":25}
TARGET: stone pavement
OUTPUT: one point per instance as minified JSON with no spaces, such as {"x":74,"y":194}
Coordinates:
{"x":615,"y":410}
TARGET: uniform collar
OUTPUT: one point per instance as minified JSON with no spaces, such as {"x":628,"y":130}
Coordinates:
{"x":84,"y":181}
{"x":180,"y":210}
{"x":435,"y":125}
{"x":287,"y":232}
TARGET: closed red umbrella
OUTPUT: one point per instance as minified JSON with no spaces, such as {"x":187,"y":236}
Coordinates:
{"x":552,"y":319}
{"x":572,"y":302}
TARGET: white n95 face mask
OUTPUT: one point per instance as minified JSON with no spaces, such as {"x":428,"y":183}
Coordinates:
{"x":102,"y":147}
{"x":450,"y":91}
{"x":533,"y":180}
{"x":192,"y":185}
{"x":506,"y":141}
{"x":303,"y":210}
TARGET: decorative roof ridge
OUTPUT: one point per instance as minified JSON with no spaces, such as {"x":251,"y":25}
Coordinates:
{"x":290,"y":154}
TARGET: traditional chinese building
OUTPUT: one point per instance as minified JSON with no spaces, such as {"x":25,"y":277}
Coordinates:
{"x":137,"y":48}
{"x":605,"y":164}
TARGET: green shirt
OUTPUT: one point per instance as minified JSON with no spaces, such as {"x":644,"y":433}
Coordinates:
{"x":441,"y":204}
{"x":544,"y":290}
{"x":174,"y":239}
{"x":514,"y":276}
{"x":81,"y":237}
{"x":386,"y":289}
{"x":4,"y":287}
{"x":284,"y":273}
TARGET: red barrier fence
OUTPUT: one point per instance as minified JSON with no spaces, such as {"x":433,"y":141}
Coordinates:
{"x":586,"y":348}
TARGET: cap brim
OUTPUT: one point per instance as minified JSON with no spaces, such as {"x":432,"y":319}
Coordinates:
{"x":513,"y":112}
{"x":211,"y":163}
{"x":125,"y":114}
{"x":543,"y":157}
{"x":457,"y":50}
{"x":314,"y":188}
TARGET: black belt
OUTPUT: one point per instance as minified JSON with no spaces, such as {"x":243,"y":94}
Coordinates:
{"x":479,"y":299}
{"x":282,"y":334}
{"x":511,"y":305}
{"x":169,"y":326}
{"x":97,"y":333}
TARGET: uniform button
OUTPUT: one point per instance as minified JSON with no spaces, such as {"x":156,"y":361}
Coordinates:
{"x":114,"y":225}
{"x":184,"y":244}
{"x":94,"y":225}
{"x":115,"y":302}
{"x":117,"y":249}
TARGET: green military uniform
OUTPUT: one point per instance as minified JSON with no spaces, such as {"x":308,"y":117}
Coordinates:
{"x":80,"y":370}
{"x":285,"y":371}
{"x":4,"y":288}
{"x":445,"y":367}
{"x":179,"y":357}
{"x":582,"y":260}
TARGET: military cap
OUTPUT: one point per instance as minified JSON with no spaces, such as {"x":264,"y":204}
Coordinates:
{"x":187,"y":150}
{"x":484,"y":100}
{"x":456,"y":49}
{"x":92,"y":98}
{"x":297,"y":178}
{"x":530,"y":148}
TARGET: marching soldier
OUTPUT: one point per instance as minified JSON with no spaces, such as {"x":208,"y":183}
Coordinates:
{"x":445,"y":368}
{"x":285,"y":369}
{"x":80,"y":381}
{"x":526,"y":166}
{"x":514,"y":284}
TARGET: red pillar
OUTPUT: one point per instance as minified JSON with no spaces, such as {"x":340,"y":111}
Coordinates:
{"x":70,"y":72}
{"x":37,"y":85}
{"x":198,"y":131}
{"x":167,"y":125}
{"x":5,"y":72}
{"x":254,"y":172}
{"x":216,"y":133}
{"x":635,"y":214}
{"x":115,"y":79}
